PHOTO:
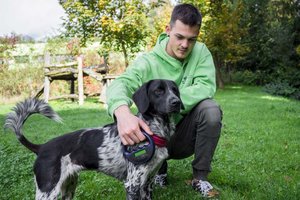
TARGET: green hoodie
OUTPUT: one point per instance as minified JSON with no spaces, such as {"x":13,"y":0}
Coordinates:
{"x":195,"y":76}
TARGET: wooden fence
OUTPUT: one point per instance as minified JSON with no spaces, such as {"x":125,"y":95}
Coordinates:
{"x":72,"y":72}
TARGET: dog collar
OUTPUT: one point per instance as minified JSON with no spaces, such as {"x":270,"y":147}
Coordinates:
{"x":159,"y":141}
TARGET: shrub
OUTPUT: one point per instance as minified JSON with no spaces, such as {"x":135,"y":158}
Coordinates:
{"x":286,"y":83}
{"x":25,"y":82}
{"x":20,"y":82}
{"x":282,"y":88}
{"x":244,"y":77}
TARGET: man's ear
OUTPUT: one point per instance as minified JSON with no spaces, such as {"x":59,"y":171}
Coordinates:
{"x":141,"y":99}
{"x":168,"y":29}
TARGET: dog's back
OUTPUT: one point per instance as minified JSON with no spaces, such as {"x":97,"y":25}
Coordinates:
{"x":88,"y":149}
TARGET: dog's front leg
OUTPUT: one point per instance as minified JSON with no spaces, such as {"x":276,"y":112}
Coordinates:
{"x":132,"y":192}
{"x":146,"y":191}
{"x":134,"y":181}
{"x":132,"y":187}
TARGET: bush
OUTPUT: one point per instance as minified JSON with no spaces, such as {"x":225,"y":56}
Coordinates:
{"x":282,"y":88}
{"x":244,"y":77}
{"x":286,"y":83}
{"x":20,"y":82}
{"x":16,"y":84}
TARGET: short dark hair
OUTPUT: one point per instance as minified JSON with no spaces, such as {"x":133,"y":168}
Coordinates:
{"x":187,"y":14}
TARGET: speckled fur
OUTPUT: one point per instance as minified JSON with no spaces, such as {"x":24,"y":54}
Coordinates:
{"x":61,"y":159}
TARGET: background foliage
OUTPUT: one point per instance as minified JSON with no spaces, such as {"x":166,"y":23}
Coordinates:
{"x":253,"y":42}
{"x":119,"y":25}
{"x":246,"y":37}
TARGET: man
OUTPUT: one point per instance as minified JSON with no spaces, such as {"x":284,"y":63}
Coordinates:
{"x":179,"y":57}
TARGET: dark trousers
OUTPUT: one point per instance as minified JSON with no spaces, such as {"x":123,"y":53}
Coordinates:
{"x":197,"y":133}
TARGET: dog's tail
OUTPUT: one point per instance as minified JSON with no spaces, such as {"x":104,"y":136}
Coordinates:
{"x":20,"y":114}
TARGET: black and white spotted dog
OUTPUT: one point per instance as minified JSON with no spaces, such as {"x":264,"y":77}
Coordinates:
{"x":60,"y":160}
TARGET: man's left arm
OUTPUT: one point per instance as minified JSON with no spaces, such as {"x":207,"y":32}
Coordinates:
{"x":203,"y":84}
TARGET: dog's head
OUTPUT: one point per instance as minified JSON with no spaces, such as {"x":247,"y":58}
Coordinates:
{"x":158,"y":97}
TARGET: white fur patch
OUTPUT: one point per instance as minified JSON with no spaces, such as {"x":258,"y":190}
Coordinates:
{"x":67,"y":169}
{"x":111,"y":160}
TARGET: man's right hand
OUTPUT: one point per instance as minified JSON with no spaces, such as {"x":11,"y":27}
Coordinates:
{"x":129,"y":126}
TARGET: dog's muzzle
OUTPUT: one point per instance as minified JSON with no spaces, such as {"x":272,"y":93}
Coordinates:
{"x":174,"y":105}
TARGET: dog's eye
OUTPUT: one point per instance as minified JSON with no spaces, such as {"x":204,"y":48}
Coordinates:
{"x":175,"y":90}
{"x":158,"y":91}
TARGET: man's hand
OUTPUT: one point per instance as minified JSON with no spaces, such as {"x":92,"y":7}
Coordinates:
{"x":129,"y":126}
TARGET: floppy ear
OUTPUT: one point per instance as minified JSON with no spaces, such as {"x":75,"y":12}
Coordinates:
{"x":140,"y":98}
{"x":181,"y":105}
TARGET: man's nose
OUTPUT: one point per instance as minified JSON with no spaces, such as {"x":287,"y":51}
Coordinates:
{"x":185,"y":44}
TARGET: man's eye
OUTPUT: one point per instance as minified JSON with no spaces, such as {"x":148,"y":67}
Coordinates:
{"x":179,"y":37}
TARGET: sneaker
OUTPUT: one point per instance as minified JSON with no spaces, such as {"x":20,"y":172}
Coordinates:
{"x":205,"y":188}
{"x":161,"y":180}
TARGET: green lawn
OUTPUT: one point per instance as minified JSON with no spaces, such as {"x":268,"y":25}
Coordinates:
{"x":258,"y":156}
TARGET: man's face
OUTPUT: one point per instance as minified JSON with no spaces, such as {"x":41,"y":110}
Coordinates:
{"x":182,"y":39}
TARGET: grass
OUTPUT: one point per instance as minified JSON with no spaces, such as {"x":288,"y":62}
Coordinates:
{"x":257,"y":157}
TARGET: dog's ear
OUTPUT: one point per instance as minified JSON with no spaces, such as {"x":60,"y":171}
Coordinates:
{"x":141,"y":99}
{"x":181,"y":105}
{"x":178,"y":93}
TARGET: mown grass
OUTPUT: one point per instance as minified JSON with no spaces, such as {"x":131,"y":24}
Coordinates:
{"x":257,"y":157}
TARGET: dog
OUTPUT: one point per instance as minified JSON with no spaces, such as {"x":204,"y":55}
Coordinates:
{"x":60,"y":160}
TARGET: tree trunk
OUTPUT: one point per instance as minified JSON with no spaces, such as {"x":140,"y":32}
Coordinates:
{"x":125,"y":55}
{"x":220,"y":82}
{"x":228,"y":66}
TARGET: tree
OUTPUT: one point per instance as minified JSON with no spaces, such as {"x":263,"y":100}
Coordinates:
{"x":158,"y":20}
{"x":273,"y":37}
{"x":221,"y":31}
{"x":120,"y":25}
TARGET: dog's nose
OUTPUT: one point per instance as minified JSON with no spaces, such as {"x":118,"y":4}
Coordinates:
{"x":174,"y":102}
